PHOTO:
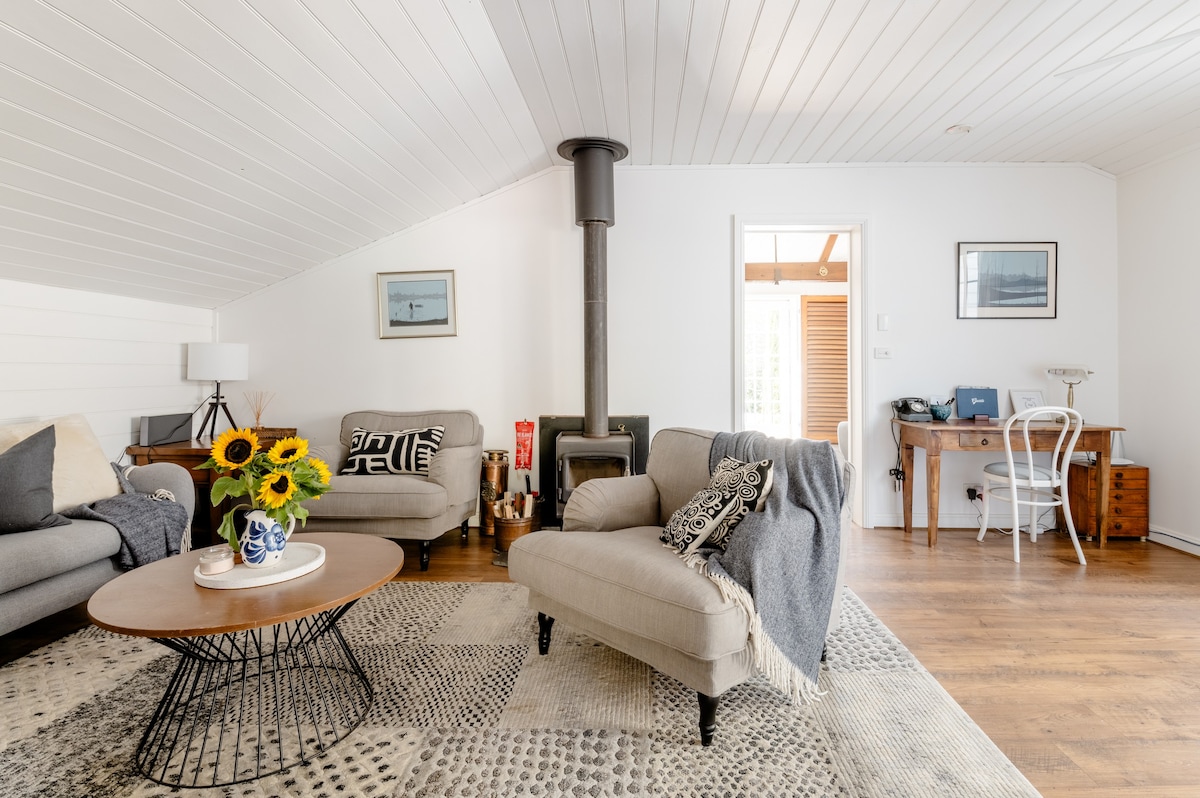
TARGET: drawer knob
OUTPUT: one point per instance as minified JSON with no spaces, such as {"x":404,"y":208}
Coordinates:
{"x":1118,"y":485}
{"x":1119,"y":475}
{"x":1117,"y":525}
{"x":983,"y":441}
{"x":1117,"y":510}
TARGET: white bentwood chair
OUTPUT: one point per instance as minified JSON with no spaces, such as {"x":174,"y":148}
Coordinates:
{"x":1023,"y":483}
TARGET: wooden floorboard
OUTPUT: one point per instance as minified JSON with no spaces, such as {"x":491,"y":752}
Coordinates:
{"x":1087,"y":678}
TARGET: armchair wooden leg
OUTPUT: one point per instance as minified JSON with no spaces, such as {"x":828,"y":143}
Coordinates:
{"x":708,"y":717}
{"x":426,"y":548}
{"x":464,"y":530}
{"x":544,"y":624}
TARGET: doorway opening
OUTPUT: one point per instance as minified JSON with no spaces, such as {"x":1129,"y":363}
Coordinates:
{"x":798,"y":366}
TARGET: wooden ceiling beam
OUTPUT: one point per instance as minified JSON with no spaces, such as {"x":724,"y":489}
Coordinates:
{"x":835,"y":271}
{"x":829,"y":247}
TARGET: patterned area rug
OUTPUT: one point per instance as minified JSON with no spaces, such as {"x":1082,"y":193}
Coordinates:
{"x":464,"y":706}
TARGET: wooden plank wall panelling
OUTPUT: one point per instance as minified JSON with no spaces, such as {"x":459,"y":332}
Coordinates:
{"x":111,"y":358}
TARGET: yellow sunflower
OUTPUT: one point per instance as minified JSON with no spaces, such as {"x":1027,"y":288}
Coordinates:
{"x":288,"y":450}
{"x":321,"y":468}
{"x":235,"y":448}
{"x":276,"y":489}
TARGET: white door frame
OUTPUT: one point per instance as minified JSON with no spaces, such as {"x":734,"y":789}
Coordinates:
{"x":856,"y":278}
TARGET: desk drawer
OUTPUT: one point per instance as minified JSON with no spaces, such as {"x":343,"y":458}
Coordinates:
{"x":981,"y":440}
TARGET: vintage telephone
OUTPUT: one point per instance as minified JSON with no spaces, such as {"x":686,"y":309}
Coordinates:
{"x":912,"y":408}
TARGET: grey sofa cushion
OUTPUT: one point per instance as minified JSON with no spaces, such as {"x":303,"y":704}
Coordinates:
{"x":28,"y":557}
{"x":26,"y":484}
{"x":380,"y":496}
{"x":627,"y":579}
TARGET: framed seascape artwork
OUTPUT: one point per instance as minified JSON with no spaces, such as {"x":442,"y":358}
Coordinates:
{"x":1026,"y":399}
{"x":416,"y":304}
{"x":1008,"y":281}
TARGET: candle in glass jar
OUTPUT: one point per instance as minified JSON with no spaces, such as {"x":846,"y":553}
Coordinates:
{"x":216,"y":560}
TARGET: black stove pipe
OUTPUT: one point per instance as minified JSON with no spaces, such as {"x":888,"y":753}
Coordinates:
{"x":593,"y":159}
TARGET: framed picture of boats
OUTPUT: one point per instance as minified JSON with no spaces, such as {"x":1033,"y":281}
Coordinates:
{"x":1008,"y":280}
{"x":416,"y":304}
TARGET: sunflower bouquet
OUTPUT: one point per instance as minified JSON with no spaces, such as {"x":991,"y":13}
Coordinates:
{"x":275,"y":480}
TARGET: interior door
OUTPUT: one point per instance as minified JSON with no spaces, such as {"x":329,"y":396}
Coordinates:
{"x":825,"y":364}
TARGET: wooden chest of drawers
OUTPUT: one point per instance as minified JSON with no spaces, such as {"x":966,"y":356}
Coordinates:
{"x":1128,"y":500}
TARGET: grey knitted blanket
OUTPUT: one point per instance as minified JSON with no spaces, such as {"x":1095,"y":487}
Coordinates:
{"x":150,"y":528}
{"x":784,"y":560}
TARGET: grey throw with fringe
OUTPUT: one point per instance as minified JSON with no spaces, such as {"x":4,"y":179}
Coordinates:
{"x":781,"y":564}
{"x":150,"y":527}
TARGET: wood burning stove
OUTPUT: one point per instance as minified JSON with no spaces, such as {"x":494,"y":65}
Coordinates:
{"x":566,"y":458}
{"x":596,"y":449}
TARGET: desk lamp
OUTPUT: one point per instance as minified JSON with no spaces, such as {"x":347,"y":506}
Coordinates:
{"x":1070,"y":376}
{"x":217,"y":363}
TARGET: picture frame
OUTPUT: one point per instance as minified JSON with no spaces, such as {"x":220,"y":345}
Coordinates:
{"x":417,"y":304}
{"x":1026,"y":398}
{"x":1007,"y":280}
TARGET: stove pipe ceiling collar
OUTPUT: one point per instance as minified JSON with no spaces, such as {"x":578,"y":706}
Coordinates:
{"x":593,"y":159}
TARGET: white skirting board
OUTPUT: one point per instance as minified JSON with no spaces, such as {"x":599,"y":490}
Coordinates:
{"x":1188,"y":544}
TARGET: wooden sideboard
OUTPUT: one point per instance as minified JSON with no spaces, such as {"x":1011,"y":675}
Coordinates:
{"x":1128,"y":500}
{"x":189,"y":454}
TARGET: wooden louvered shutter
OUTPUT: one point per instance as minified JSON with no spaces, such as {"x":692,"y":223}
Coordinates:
{"x":823,"y":330}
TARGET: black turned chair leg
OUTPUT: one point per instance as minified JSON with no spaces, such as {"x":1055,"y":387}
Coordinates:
{"x":426,"y":548}
{"x":544,"y":624}
{"x":464,"y":530}
{"x":708,"y":717}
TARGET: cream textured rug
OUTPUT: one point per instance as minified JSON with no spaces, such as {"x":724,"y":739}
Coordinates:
{"x":464,"y":706}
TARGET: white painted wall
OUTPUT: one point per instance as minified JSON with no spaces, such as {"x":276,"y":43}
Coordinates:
{"x":518,"y":262}
{"x":1159,"y":283}
{"x":110,"y":358}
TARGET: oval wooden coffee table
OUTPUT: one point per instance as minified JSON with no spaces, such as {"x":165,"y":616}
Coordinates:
{"x":266,"y":680}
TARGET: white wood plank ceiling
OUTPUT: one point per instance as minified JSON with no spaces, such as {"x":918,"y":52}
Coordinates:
{"x":194,"y":151}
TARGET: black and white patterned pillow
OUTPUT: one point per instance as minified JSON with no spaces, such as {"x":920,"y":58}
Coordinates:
{"x":406,"y":451}
{"x":748,"y":484}
{"x":691,"y":524}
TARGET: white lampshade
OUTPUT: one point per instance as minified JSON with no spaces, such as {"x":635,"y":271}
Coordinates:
{"x":218,"y":362}
{"x":1069,"y":373}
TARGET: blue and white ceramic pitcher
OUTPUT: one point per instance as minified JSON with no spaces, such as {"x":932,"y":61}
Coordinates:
{"x":262,"y":539}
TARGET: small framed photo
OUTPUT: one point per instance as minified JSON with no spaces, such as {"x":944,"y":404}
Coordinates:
{"x":416,"y":304}
{"x":1008,"y":280}
{"x":1026,"y":399}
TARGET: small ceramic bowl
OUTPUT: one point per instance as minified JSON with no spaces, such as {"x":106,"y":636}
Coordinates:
{"x":939,"y":412}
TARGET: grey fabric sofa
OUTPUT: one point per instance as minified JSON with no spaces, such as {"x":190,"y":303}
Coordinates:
{"x":45,"y":571}
{"x":404,"y":506}
{"x":608,"y":575}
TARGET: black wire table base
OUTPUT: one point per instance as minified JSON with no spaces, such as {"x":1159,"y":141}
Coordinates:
{"x":244,"y":705}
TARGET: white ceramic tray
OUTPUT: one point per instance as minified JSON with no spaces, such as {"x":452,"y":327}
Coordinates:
{"x":298,"y":559}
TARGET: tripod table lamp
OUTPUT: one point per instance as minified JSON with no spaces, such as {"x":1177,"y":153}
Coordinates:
{"x":217,"y":363}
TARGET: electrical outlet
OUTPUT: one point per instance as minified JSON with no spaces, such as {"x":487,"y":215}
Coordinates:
{"x":972,"y":489}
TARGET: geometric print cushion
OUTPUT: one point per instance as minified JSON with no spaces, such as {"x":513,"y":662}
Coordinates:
{"x":748,"y":484}
{"x":691,"y":524}
{"x":405,"y":451}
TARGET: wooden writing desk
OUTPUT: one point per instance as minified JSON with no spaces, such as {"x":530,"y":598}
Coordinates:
{"x":965,"y":435}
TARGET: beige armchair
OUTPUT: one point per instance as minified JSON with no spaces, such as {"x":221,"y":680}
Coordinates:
{"x":406,"y":506}
{"x":608,"y":575}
